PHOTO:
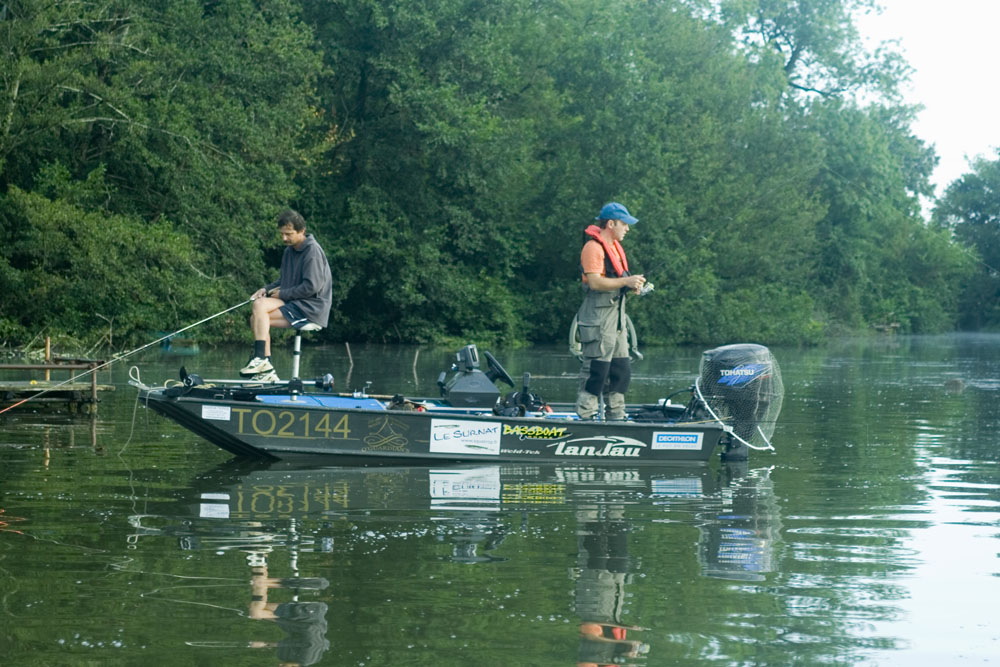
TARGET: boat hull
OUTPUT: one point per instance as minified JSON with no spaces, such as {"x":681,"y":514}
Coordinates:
{"x":291,"y":428}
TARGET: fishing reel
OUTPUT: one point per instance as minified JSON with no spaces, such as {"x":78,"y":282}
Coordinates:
{"x":645,"y":289}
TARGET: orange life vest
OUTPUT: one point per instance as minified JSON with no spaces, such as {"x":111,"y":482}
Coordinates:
{"x":614,"y":255}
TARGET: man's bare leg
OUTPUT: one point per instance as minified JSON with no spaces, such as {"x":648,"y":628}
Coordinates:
{"x":266,"y":314}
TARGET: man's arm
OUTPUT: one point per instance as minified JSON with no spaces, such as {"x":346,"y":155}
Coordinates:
{"x":604,"y":284}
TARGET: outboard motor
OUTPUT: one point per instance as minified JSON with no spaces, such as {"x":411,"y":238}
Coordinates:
{"x":740,"y":385}
{"x":469,"y":387}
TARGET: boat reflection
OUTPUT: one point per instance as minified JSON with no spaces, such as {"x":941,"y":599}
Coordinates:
{"x":280,"y":512}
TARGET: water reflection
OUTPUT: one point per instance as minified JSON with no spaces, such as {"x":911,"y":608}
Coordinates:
{"x":738,"y":543}
{"x":601,"y":577}
{"x":324,"y":521}
{"x":886,"y":499}
{"x":303,"y":622}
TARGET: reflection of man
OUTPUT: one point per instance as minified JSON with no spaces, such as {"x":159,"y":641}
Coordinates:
{"x":304,"y":623}
{"x":603,"y":561}
{"x":605,"y":644}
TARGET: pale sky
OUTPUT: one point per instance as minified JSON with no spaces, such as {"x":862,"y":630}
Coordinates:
{"x":952,"y":46}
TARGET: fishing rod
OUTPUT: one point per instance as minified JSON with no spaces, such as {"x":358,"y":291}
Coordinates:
{"x":123,"y":356}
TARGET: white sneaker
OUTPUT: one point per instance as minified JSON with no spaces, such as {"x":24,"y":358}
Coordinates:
{"x":267,"y":376}
{"x":255,"y":366}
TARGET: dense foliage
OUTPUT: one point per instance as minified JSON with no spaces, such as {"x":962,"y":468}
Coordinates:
{"x":448,"y":153}
{"x":970,"y":210}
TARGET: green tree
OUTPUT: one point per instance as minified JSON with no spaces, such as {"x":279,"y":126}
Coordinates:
{"x":815,"y":43}
{"x":182,"y":119}
{"x":448,"y":154}
{"x":436,"y":162}
{"x":970,"y":210}
{"x":78,"y":269}
{"x":878,"y":259}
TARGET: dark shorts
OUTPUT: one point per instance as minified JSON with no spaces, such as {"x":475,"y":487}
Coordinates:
{"x":294,"y":315}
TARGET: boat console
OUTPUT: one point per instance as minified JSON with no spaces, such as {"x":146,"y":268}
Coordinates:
{"x":470,"y":387}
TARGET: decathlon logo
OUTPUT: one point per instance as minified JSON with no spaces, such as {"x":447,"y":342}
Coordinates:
{"x":677,"y":440}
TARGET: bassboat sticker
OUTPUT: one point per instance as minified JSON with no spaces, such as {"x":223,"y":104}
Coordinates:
{"x":217,"y":412}
{"x":677,"y":440}
{"x":457,"y":436}
{"x":600,"y":446}
{"x":535,"y":432}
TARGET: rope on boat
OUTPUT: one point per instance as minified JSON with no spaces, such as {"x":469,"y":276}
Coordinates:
{"x":727,"y":427}
{"x":123,"y":356}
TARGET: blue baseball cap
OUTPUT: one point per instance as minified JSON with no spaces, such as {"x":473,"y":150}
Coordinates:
{"x":615,"y":211}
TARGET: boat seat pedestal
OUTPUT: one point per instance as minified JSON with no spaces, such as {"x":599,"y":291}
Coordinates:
{"x":297,"y":347}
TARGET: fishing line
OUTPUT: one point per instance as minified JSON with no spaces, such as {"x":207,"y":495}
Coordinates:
{"x":123,"y":356}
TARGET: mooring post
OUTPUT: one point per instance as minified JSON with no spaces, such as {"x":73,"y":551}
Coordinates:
{"x":93,"y":388}
{"x":48,"y":358}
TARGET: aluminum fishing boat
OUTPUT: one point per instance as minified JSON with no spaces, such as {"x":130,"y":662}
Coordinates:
{"x":733,"y":405}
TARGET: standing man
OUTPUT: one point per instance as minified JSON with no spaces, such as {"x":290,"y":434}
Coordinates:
{"x":302,"y":294}
{"x":601,"y":319}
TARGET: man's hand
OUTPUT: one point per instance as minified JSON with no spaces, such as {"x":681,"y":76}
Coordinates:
{"x":634,"y":283}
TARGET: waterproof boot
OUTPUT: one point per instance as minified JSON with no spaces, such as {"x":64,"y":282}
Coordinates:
{"x":615,"y":406}
{"x":587,"y":404}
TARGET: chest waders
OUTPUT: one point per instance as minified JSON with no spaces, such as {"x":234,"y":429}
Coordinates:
{"x":606,"y":370}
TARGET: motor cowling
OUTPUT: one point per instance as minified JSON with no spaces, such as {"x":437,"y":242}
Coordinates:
{"x":741,"y":385}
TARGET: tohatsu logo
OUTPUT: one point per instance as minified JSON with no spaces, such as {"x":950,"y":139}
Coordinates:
{"x":741,"y":374}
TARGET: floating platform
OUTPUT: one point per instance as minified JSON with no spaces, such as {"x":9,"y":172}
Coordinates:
{"x":77,"y":397}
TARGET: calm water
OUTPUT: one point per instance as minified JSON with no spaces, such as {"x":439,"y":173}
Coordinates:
{"x":869,"y":538}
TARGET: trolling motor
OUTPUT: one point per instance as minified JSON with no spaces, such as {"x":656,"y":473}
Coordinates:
{"x":739,"y":385}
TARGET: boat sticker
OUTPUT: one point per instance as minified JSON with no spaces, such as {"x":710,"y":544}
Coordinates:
{"x":262,"y":501}
{"x":465,"y":489}
{"x":677,"y":440}
{"x":534,"y":494}
{"x":386,"y":434}
{"x":216,"y":510}
{"x":458,"y":436}
{"x":217,"y":412}
{"x":287,"y":424}
{"x":629,"y":477}
{"x":677,"y":487}
{"x":535,"y":432}
{"x":600,"y":446}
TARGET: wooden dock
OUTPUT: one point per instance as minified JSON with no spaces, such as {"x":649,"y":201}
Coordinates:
{"x":78,"y":396}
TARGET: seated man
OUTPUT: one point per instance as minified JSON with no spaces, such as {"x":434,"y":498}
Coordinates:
{"x":302,"y":294}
